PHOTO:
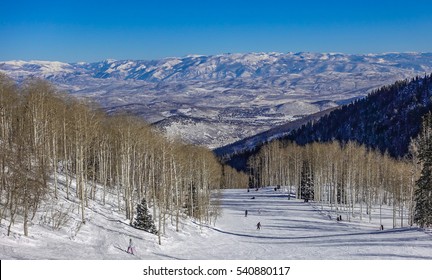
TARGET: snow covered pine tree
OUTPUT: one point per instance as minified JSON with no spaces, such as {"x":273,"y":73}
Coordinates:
{"x":144,"y":220}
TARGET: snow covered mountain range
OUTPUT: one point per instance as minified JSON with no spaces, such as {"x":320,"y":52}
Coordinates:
{"x":219,"y":99}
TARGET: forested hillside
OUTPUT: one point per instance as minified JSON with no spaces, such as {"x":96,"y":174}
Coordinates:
{"x":387,"y":119}
{"x":45,"y":134}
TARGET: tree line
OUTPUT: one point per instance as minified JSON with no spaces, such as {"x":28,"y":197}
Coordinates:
{"x":387,"y":119}
{"x":364,"y":154}
{"x":45,"y":134}
{"x":352,"y":179}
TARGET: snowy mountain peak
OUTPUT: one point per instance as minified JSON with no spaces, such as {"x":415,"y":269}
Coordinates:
{"x":232,"y":95}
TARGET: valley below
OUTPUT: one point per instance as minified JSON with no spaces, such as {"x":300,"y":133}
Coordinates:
{"x":217,"y":100}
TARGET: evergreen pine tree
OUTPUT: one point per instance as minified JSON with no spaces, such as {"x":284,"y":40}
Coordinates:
{"x":144,"y":220}
{"x":423,"y":193}
{"x":306,"y":182}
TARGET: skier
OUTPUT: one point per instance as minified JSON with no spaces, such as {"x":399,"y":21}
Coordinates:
{"x":259,"y":225}
{"x":130,"y":248}
{"x":246,"y":211}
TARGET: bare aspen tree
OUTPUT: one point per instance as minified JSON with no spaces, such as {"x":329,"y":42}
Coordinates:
{"x":348,"y":177}
{"x":51,"y":133}
{"x":9,"y":103}
{"x":85,"y":122}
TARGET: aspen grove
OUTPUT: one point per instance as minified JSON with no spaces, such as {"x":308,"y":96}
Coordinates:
{"x":45,"y":133}
{"x":350,"y":178}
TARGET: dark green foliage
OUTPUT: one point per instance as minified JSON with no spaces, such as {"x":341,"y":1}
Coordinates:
{"x":306,"y":182}
{"x":144,"y":220}
{"x":423,"y":193}
{"x":387,"y":119}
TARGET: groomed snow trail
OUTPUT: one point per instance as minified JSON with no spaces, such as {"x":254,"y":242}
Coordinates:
{"x":293,"y":229}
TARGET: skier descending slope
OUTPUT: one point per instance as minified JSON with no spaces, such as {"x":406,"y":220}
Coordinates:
{"x":259,"y":226}
{"x":130,"y":248}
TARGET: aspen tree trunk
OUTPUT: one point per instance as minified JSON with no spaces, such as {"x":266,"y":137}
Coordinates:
{"x":103,"y":168}
{"x":125,"y":181}
{"x":153,"y":185}
{"x":118,"y":185}
{"x":335,"y":187}
{"x":82,"y":184}
{"x":411,"y":202}
{"x":26,"y":209}
{"x":173,"y":197}
{"x":177,"y":196}
{"x":13,"y":205}
{"x":93,"y":183}
{"x":66,"y":155}
{"x":133,"y":167}
{"x":401,"y":200}
{"x":164,"y":185}
{"x":394,"y":211}
{"x":54,"y":149}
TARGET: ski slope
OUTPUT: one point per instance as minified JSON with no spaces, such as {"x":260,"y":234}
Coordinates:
{"x":291,"y":230}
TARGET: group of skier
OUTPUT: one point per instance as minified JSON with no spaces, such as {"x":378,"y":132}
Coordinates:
{"x":259,"y":223}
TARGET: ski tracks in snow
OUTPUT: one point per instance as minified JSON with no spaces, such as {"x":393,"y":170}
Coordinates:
{"x":291,"y":229}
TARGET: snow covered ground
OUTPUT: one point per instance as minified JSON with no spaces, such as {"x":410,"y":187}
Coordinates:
{"x":302,"y":236}
{"x":291,"y":230}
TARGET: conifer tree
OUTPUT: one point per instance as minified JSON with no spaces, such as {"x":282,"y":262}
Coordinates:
{"x":307,"y":182}
{"x":423,"y":193}
{"x":144,"y":220}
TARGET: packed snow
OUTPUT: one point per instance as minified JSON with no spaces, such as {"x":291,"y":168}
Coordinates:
{"x":290,"y":230}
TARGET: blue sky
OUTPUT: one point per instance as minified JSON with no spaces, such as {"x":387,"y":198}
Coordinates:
{"x":73,"y":31}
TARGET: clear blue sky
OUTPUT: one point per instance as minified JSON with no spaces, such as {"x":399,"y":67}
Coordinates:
{"x":73,"y":31}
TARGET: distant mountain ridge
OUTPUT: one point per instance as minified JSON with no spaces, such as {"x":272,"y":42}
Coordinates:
{"x":386,"y":120}
{"x":229,"y":96}
{"x":224,"y":66}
